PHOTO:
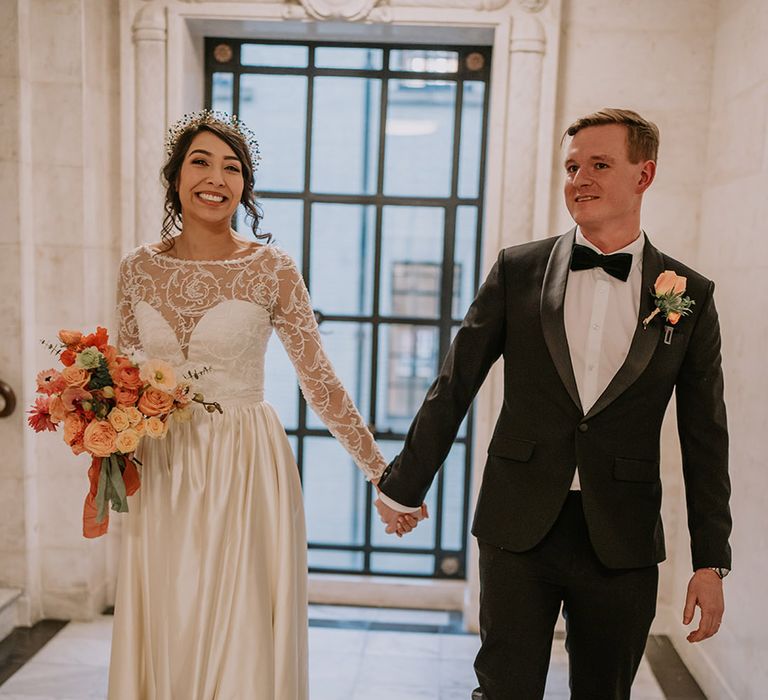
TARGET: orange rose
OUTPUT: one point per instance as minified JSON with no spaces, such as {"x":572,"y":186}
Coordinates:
{"x":68,"y":358}
{"x":668,"y":282}
{"x":99,"y":438}
{"x":155,"y":427}
{"x":110,"y":354}
{"x":70,"y":337}
{"x":673,"y":317}
{"x":141,"y":427}
{"x":134,"y":415}
{"x":76,"y":376}
{"x":154,"y":402}
{"x":127,"y":377}
{"x":74,"y":427}
{"x":126,"y":397}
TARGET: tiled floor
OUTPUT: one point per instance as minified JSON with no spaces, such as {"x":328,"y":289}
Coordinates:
{"x":355,"y":654}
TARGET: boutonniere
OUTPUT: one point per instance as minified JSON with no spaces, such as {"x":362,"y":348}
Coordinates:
{"x":668,"y":297}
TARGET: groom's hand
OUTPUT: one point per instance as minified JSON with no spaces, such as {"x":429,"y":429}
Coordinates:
{"x":397,"y":522}
{"x":705,"y":590}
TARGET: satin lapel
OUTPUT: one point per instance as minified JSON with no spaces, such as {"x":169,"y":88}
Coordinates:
{"x":552,"y":318}
{"x":644,"y":342}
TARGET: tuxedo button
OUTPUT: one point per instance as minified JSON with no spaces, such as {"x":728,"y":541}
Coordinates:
{"x":583,"y":427}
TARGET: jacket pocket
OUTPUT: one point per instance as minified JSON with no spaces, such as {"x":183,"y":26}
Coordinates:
{"x":641,"y":470}
{"x":511,"y":448}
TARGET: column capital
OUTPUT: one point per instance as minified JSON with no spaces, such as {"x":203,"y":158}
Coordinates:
{"x":528,"y":35}
{"x":149,"y":23}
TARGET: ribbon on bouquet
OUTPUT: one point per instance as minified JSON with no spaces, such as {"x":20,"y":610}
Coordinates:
{"x":112,"y":479}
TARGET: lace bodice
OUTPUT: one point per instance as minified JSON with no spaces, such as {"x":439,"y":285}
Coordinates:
{"x":220,"y":314}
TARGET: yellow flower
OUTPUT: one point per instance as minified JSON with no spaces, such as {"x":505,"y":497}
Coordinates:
{"x":127,"y":441}
{"x":159,"y":374}
{"x":119,"y":419}
{"x":155,"y":427}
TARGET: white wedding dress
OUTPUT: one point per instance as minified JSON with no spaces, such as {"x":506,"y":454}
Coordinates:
{"x":211,"y":596}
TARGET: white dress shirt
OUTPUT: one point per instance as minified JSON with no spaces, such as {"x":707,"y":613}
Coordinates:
{"x":600,"y":314}
{"x":600,"y":319}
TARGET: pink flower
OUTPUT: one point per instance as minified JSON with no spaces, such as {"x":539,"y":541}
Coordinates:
{"x":40,"y":416}
{"x":74,"y":394}
{"x":50,"y":381}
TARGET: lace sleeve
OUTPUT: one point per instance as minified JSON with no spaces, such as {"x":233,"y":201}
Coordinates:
{"x":128,"y":329}
{"x":295,"y":324}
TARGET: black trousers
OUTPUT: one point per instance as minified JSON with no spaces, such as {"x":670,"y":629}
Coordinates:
{"x":608,"y":614}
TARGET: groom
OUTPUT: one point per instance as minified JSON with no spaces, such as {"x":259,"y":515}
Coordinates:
{"x":569,"y":509}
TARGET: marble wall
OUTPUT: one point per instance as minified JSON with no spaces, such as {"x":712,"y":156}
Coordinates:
{"x":732,"y":249}
{"x":60,"y":247}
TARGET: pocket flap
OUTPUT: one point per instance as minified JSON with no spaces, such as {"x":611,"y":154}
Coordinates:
{"x":511,"y":448}
{"x":643,"y":470}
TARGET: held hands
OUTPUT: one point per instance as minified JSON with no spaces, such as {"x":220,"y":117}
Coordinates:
{"x":397,"y":522}
{"x":705,"y":590}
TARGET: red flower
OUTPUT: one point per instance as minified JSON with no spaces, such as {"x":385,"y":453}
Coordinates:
{"x":68,"y":358}
{"x":40,"y":417}
{"x":98,"y":340}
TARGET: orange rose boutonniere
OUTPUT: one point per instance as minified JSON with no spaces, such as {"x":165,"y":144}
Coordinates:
{"x":668,"y":296}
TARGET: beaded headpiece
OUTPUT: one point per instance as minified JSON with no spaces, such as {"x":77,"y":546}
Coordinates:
{"x":208,"y":116}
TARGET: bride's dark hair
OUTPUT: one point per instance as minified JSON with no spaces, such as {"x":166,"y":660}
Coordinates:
{"x":172,"y":168}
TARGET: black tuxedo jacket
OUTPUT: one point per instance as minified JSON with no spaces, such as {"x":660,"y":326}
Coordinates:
{"x":542,"y":433}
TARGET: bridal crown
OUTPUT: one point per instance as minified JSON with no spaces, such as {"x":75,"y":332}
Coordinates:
{"x":209,"y":116}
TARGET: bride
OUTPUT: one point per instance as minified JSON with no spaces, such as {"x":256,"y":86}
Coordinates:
{"x":211,"y":597}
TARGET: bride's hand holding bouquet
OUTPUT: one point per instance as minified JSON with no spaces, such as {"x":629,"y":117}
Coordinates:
{"x":106,"y":403}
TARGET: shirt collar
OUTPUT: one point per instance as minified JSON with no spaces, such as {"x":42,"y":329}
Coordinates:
{"x":635,"y":248}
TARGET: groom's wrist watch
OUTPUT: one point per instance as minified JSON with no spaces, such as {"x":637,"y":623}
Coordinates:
{"x":721,"y":571}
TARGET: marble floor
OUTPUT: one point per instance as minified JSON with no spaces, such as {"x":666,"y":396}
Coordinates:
{"x":355,"y":654}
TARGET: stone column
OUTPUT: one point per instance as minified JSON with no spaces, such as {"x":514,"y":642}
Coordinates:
{"x":149,"y":38}
{"x":527,"y":47}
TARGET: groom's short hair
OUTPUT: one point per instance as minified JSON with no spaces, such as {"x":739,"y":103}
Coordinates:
{"x":642,"y":135}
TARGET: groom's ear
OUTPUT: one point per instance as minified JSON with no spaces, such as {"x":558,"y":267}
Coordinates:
{"x":647,"y":175}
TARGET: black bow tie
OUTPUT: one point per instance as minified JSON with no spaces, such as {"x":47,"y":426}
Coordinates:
{"x":617,"y":265}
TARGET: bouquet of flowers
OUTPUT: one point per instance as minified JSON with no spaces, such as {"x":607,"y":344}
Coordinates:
{"x":106,"y":403}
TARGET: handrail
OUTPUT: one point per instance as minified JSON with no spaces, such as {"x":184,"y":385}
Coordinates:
{"x":9,"y":400}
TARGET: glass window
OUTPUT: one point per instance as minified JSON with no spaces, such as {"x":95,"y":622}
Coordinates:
{"x":419,"y":138}
{"x":346,"y":57}
{"x":274,"y":55}
{"x":275,"y":107}
{"x":345,"y":135}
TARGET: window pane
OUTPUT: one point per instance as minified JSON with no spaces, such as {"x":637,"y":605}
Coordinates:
{"x":421,"y":61}
{"x":342,"y":257}
{"x":348,"y":346}
{"x":464,"y":260}
{"x":274,"y":55}
{"x":284,"y":219}
{"x":471,"y":138}
{"x":334,"y":493}
{"x":403,"y":563}
{"x":331,"y":559}
{"x":407,"y":368}
{"x":419,"y":148}
{"x":453,"y":499}
{"x":274,"y":106}
{"x":345,"y":135}
{"x":411,"y":261}
{"x":340,"y":57}
{"x":222,"y":90}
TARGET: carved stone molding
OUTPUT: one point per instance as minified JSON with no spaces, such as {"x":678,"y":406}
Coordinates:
{"x":532,"y":5}
{"x":339,"y":9}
